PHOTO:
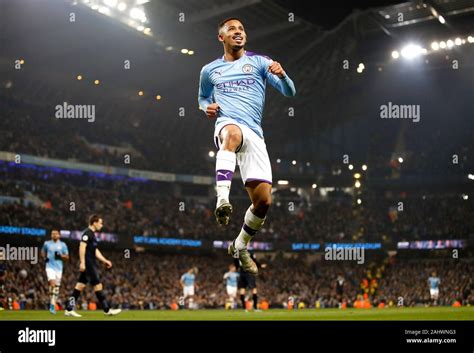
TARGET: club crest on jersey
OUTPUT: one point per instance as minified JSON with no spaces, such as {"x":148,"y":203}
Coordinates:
{"x":247,"y":68}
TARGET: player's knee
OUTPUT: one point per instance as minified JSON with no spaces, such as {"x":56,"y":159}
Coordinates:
{"x":98,"y":287}
{"x":80,"y":286}
{"x":232,"y":137}
{"x":263,"y":204}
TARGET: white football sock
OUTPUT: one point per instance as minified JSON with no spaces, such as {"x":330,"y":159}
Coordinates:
{"x":252,"y":224}
{"x":225,"y":167}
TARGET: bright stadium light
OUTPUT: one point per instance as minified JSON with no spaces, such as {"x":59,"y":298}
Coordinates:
{"x":212,"y":154}
{"x":357,"y":184}
{"x":359,"y":201}
{"x":450,"y":43}
{"x":282,"y":182}
{"x":465,"y":197}
{"x":293,"y":162}
{"x":104,"y":10}
{"x":411,"y":51}
{"x":140,"y":28}
{"x":458,"y":41}
{"x":350,"y":167}
{"x":122,"y":6}
{"x":395,"y":54}
{"x":140,"y":93}
{"x":441,"y":19}
{"x":314,"y":186}
{"x":357,"y":175}
{"x":442,"y":45}
{"x":400,"y":160}
{"x":96,"y":82}
{"x":158,"y":97}
{"x":137,"y":14}
{"x":364,"y":167}
{"x":111,"y":3}
{"x":278,"y":160}
{"x":470,"y":176}
{"x":184,"y":51}
{"x":79,"y":77}
{"x":190,"y":52}
{"x":470,"y":39}
{"x":435,"y":46}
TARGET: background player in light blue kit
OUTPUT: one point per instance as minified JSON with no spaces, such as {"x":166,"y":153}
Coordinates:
{"x":231,"y":277}
{"x":55,"y":252}
{"x":232,"y":91}
{"x":434,"y":282}
{"x":188,"y":281}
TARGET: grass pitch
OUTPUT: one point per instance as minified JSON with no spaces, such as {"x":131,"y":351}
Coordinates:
{"x":431,"y":313}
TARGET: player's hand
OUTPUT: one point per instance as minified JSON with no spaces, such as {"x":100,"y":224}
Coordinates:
{"x":212,"y":110}
{"x":276,"y":69}
{"x":57,"y":256}
{"x":82,"y":267}
{"x":46,"y":260}
{"x":108,"y":264}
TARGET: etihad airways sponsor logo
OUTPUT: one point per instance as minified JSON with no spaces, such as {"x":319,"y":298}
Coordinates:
{"x":236,"y":85}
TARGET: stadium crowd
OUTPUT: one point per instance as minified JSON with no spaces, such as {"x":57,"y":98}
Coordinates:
{"x":31,"y":128}
{"x":151,"y":281}
{"x":47,"y":199}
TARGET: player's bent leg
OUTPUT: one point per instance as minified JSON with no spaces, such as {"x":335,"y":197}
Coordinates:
{"x":53,"y":294}
{"x":255,"y":299}
{"x":71,"y":303}
{"x":231,"y":138}
{"x":191,"y":302}
{"x":99,"y":292}
{"x":242,"y":298}
{"x":260,"y":194}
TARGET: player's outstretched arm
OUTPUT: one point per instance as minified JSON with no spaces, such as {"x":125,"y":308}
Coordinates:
{"x":280,"y":80}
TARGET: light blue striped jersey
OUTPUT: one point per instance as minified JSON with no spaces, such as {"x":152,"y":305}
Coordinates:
{"x":50,"y":247}
{"x":188,"y":279}
{"x":238,"y":87}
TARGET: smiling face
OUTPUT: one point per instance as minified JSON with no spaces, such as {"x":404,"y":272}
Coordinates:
{"x":233,"y":35}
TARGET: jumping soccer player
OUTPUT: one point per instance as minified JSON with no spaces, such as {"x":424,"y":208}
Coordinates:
{"x":232,"y":91}
{"x":88,"y":252}
{"x":188,"y":281}
{"x":55,"y":252}
{"x":231,"y":277}
{"x":434,"y":282}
